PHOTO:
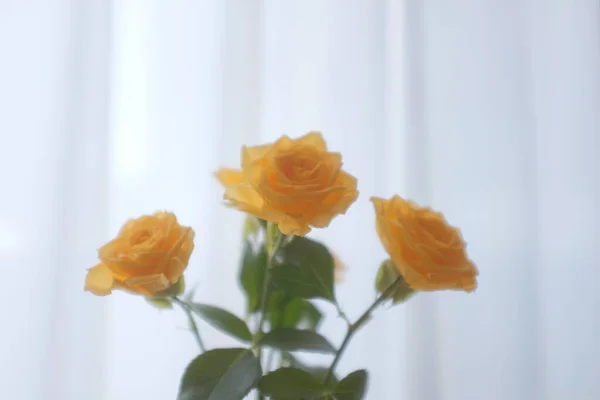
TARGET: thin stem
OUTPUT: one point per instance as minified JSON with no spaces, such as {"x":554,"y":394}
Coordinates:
{"x":186,"y":308}
{"x":353,"y":328}
{"x":272,"y":249}
{"x":265,"y":289}
{"x":263,"y":304}
{"x":342,"y":314}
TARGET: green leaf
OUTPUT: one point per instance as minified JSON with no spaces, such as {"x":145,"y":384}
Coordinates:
{"x":160,"y":303}
{"x":290,"y":384}
{"x":252,"y":274}
{"x":311,"y":315}
{"x":386,"y":276}
{"x":306,"y":270}
{"x":292,"y":312}
{"x":300,"y":313}
{"x":276,"y":305}
{"x":352,"y":387}
{"x":291,"y":339}
{"x":223,"y":320}
{"x":319,"y":372}
{"x":220,"y":374}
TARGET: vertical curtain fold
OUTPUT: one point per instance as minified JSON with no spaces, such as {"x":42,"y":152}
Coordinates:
{"x":53,"y":163}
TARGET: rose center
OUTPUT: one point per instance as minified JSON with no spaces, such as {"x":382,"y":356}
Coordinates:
{"x":298,"y":167}
{"x":141,"y":237}
{"x":305,"y":167}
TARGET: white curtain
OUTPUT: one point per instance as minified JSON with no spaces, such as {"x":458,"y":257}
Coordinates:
{"x":488,"y":110}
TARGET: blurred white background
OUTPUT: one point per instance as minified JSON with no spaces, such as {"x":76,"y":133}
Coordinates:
{"x":488,"y":110}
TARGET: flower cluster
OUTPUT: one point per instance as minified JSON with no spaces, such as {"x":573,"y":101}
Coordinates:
{"x":287,"y":188}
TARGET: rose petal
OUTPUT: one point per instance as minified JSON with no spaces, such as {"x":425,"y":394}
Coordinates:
{"x":332,"y":168}
{"x":148,"y":285}
{"x":292,"y":182}
{"x":228,"y":176}
{"x":245,"y":197}
{"x":175,"y":270}
{"x":290,"y":226}
{"x":126,"y":227}
{"x":253,"y":153}
{"x":313,"y":138}
{"x":283,"y":144}
{"x":423,"y":246}
{"x":187,"y":247}
{"x":99,"y":280}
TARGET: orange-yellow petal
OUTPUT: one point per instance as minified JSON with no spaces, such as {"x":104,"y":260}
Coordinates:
{"x":245,"y":197}
{"x":428,"y":252}
{"x":338,"y":201}
{"x":148,"y":285}
{"x":291,"y":226}
{"x":99,"y":280}
{"x":283,"y":144}
{"x":295,"y":183}
{"x":149,"y":254}
{"x":253,"y":153}
{"x":313,"y":138}
{"x":228,"y":176}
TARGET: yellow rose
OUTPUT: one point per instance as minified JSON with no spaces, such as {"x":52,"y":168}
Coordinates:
{"x":295,"y":183}
{"x":148,"y":256}
{"x":429,"y":253}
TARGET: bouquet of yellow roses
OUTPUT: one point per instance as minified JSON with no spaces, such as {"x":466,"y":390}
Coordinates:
{"x":286,"y":188}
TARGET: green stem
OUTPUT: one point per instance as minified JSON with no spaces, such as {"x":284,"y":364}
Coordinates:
{"x":272,"y":249}
{"x":342,"y":314}
{"x":353,"y":328}
{"x":263,"y":305}
{"x":272,"y":252}
{"x":186,"y":308}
